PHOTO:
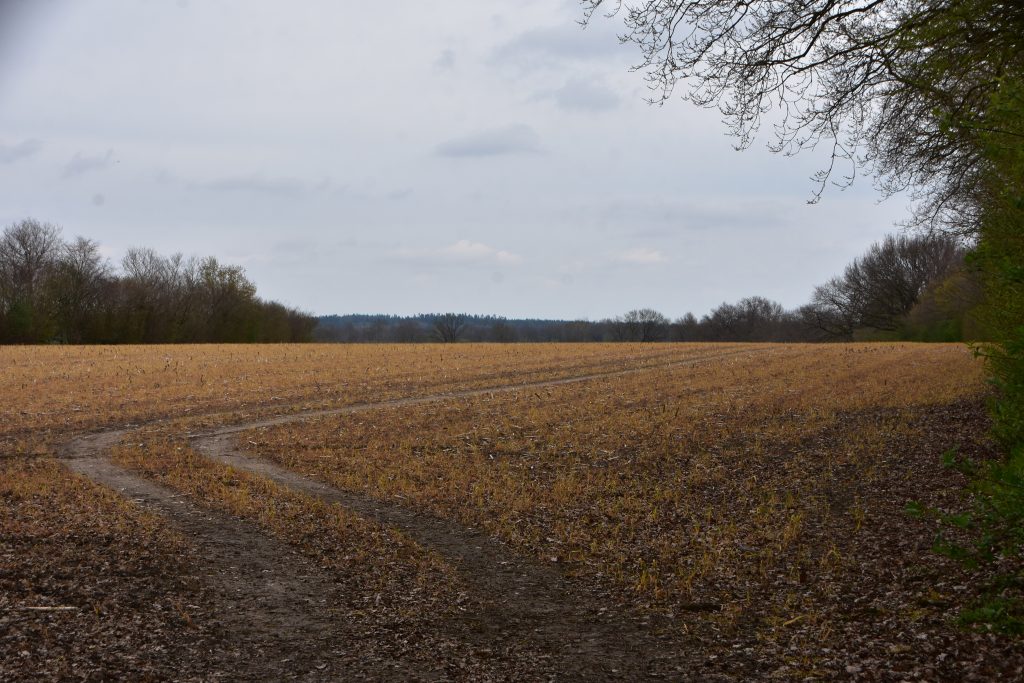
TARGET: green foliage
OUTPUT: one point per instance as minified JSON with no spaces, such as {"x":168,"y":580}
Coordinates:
{"x":990,"y":531}
{"x":994,"y":524}
{"x":1005,"y":615}
{"x":996,"y":518}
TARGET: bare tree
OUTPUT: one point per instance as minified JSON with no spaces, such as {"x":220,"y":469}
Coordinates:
{"x":80,"y":277}
{"x":503,"y":333}
{"x":640,"y":325}
{"x":408,"y":331}
{"x":754,"y":318}
{"x":29,"y":251}
{"x":158,"y":296}
{"x":686,"y":329}
{"x":581,"y":331}
{"x":448,"y":327}
{"x":879,"y":289}
{"x":900,"y":88}
{"x":822,"y":322}
{"x":56,"y":291}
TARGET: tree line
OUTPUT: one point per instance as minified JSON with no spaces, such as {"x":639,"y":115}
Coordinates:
{"x":52,"y":290}
{"x":905,"y":287}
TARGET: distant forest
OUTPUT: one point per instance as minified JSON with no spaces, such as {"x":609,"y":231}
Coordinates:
{"x":52,"y":291}
{"x":903,"y":288}
{"x":67,"y":292}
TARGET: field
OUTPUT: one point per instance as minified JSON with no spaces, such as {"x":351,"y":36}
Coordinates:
{"x":487,"y":512}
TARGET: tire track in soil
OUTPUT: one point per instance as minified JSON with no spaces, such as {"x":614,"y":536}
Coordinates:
{"x":277,"y":603}
{"x":519,"y":598}
{"x":467,"y":393}
{"x":276,"y":606}
{"x":655,"y":363}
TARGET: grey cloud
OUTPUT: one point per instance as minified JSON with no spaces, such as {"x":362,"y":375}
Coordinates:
{"x":516,"y":139}
{"x":462,"y":252}
{"x":609,"y":194}
{"x":83,"y":163}
{"x":255,"y":183}
{"x":568,"y":42}
{"x":665,"y":217}
{"x":641,"y":256}
{"x":399,"y":194}
{"x":446,"y":60}
{"x":580,"y":94}
{"x":22,"y":150}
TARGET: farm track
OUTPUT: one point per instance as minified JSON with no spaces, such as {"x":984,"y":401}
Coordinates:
{"x":277,"y":602}
{"x":465,"y":393}
{"x":273,"y":603}
{"x":279,"y":405}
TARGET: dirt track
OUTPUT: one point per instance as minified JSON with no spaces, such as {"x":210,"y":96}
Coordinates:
{"x":271,"y":601}
{"x":277,"y":607}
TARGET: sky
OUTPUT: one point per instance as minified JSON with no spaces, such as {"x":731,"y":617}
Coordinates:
{"x":476,"y":156}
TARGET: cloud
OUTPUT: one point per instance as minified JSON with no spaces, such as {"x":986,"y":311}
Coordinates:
{"x":464,"y":252}
{"x":515,"y":139}
{"x":545,"y":47}
{"x":580,"y":94}
{"x":445,"y":60}
{"x":641,"y":255}
{"x":660,"y":216}
{"x":399,"y":194}
{"x":83,"y":163}
{"x":22,"y":150}
{"x":255,"y":183}
{"x":477,"y":251}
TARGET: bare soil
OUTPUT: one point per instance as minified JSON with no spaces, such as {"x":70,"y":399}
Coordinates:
{"x":262,"y":610}
{"x":271,"y":613}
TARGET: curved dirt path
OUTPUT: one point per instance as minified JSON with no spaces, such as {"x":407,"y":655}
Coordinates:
{"x":276,"y":600}
{"x":466,"y":393}
{"x":517,"y":599}
{"x":276,"y":608}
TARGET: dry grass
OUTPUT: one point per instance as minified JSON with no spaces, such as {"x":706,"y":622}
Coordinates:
{"x":595,"y":466}
{"x":761,"y":489}
{"x":53,"y":390}
{"x":88,"y":582}
{"x":371,"y":559}
{"x":755,"y":502}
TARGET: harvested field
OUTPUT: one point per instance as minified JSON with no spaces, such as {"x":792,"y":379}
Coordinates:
{"x":488,"y":512}
{"x":56,"y":389}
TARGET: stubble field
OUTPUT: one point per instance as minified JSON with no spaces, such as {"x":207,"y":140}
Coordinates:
{"x":486,"y":512}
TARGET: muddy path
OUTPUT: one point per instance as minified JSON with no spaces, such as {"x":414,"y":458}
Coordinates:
{"x":515,"y":599}
{"x":278,"y":608}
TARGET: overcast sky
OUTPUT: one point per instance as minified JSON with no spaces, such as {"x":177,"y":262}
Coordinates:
{"x":402,"y":157}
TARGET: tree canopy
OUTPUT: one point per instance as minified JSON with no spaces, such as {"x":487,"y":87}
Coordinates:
{"x":900,"y":88}
{"x":52,"y":290}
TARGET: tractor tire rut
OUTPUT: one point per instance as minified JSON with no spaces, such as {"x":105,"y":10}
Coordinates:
{"x":465,"y":393}
{"x":277,"y":603}
{"x":517,"y":598}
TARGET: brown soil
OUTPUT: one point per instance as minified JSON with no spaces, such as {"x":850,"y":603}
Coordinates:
{"x":469,"y":393}
{"x":279,"y":616}
{"x":517,"y":600}
{"x":278,"y":612}
{"x":274,"y":607}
